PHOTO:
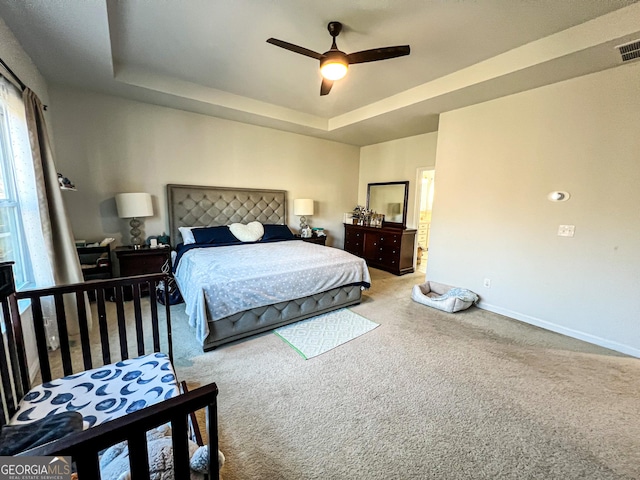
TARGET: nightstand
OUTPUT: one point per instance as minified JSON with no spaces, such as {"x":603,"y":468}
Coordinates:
{"x":319,"y":240}
{"x":143,"y":260}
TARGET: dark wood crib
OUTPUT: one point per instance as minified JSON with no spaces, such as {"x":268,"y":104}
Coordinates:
{"x":136,"y":336}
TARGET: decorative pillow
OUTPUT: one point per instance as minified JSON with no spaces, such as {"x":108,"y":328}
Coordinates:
{"x":277,"y":232}
{"x":18,"y":438}
{"x":214,"y":235}
{"x":251,"y":232}
{"x":187,"y":234}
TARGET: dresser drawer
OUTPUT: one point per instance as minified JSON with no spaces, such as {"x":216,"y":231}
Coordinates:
{"x":353,"y":235}
{"x":353,"y":246}
{"x":391,"y":239}
{"x":141,"y":265}
{"x":142,"y":262}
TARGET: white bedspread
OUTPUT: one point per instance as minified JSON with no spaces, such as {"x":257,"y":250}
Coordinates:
{"x":241,"y":277}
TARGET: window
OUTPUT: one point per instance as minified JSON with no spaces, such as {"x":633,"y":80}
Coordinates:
{"x":13,"y":246}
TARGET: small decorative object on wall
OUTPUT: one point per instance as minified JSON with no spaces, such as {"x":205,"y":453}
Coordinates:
{"x":134,"y":206}
{"x":303,"y":207}
{"x":559,"y":196}
{"x":65,"y":183}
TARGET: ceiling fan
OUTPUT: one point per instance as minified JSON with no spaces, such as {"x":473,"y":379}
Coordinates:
{"x":334,"y":63}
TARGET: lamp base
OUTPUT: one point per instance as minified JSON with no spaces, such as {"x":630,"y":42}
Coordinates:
{"x":136,"y":241}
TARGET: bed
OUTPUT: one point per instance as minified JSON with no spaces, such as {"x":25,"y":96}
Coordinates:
{"x":233,"y":291}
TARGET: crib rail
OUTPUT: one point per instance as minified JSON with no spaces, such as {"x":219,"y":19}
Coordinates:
{"x":118,"y":304}
{"x":84,"y":447}
{"x":71,"y":301}
{"x":13,"y":372}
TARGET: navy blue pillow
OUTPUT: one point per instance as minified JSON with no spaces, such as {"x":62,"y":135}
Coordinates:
{"x":215,"y":235}
{"x":277,"y":232}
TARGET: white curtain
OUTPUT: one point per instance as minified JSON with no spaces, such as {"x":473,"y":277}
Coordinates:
{"x":49,"y":241}
{"x":39,"y":257}
{"x":56,"y":228}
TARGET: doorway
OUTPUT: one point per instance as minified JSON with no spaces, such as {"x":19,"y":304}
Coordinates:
{"x":426,"y":177}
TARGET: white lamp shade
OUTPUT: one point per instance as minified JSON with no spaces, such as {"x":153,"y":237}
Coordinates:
{"x":303,"y":206}
{"x":132,"y":205}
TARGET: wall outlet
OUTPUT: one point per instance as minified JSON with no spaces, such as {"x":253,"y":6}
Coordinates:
{"x":487,"y":282}
{"x":566,"y":230}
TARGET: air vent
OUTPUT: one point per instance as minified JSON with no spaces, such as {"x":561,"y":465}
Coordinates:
{"x":630,"y":51}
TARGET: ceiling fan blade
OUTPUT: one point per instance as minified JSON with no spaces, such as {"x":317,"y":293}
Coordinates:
{"x":375,"y":54}
{"x":295,"y":48}
{"x":325,"y":88}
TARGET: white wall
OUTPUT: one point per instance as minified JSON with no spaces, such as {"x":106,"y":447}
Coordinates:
{"x":496,"y":163}
{"x":108,"y":145}
{"x":21,"y":64}
{"x":396,"y":161}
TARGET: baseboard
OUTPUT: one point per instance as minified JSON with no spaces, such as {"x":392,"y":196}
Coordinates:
{"x":569,"y":332}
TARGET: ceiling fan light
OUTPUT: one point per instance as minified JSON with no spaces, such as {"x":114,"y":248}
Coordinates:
{"x":333,"y":69}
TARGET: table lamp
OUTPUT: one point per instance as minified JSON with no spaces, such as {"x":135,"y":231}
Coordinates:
{"x":303,"y":207}
{"x":134,"y":206}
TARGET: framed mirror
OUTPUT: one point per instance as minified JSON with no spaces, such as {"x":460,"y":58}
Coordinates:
{"x":390,"y":199}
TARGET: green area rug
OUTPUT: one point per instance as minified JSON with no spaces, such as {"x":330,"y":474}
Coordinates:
{"x":322,"y":333}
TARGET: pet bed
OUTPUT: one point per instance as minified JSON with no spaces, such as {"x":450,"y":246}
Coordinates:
{"x":443,"y":297}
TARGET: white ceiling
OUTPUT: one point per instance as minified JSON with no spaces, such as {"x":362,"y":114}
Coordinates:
{"x":211,"y":57}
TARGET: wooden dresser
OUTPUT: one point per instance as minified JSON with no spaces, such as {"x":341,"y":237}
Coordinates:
{"x":389,"y":249}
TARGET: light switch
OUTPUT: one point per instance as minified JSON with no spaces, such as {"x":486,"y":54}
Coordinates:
{"x":566,"y":230}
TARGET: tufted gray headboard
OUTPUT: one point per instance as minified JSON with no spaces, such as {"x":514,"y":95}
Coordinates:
{"x":195,"y":205}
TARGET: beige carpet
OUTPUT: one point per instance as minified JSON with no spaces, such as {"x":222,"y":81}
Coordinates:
{"x":427,"y":395}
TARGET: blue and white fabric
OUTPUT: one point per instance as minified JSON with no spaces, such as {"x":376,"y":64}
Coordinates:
{"x":104,"y":393}
{"x":220,"y":281}
{"x":456,"y":292}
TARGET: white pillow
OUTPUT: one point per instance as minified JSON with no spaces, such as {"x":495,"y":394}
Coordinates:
{"x":251,"y":232}
{"x":187,"y":235}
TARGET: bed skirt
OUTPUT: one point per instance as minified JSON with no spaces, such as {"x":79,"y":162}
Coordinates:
{"x":262,"y":319}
